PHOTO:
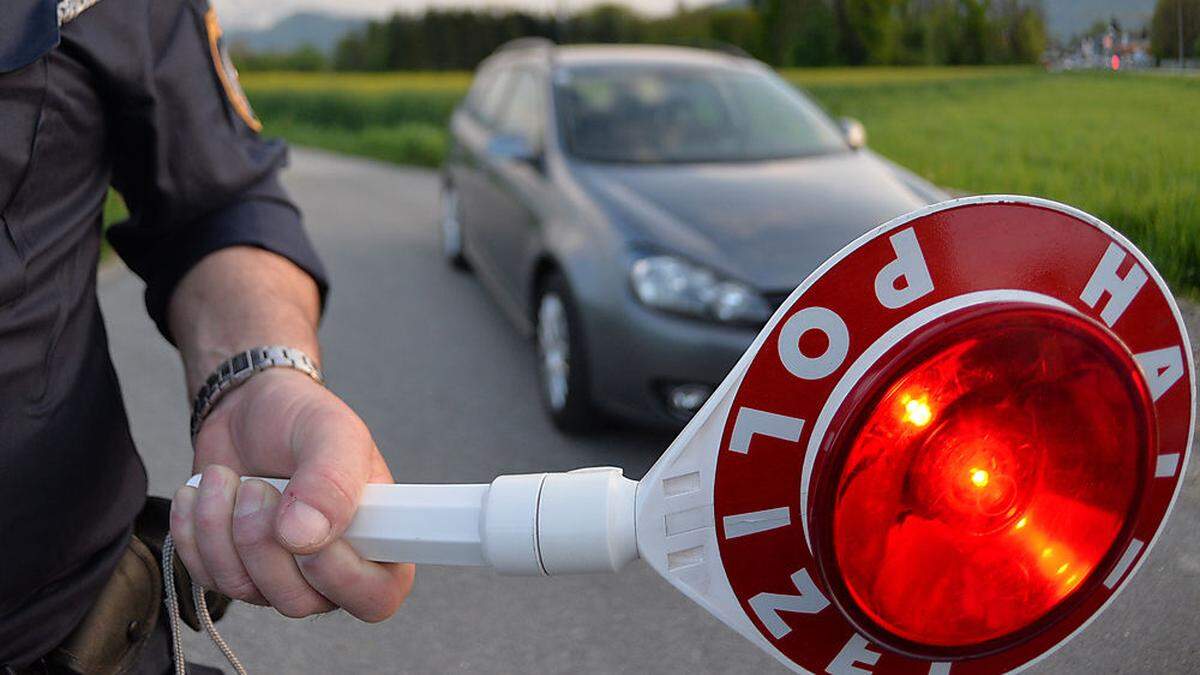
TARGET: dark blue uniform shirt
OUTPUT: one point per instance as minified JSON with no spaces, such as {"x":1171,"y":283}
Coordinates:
{"x":132,"y":93}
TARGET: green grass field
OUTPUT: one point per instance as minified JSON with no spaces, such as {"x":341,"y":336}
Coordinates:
{"x":1125,"y":147}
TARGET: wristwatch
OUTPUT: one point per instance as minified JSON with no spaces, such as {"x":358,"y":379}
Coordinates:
{"x":234,"y":371}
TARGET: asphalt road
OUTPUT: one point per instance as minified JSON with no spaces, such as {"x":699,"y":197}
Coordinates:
{"x":448,"y":388}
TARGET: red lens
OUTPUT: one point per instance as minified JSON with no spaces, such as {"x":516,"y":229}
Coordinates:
{"x":986,"y":480}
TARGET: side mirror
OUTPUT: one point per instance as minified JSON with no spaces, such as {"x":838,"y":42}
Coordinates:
{"x":512,"y":147}
{"x":854,"y":131}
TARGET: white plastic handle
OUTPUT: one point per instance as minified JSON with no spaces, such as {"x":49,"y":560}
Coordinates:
{"x":530,"y":524}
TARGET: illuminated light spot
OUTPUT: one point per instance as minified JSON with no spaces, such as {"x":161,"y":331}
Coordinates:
{"x":917,"y":412}
{"x":906,"y":512}
{"x":979,"y":478}
{"x":1062,"y":568}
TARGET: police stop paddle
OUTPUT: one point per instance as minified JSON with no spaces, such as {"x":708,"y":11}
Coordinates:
{"x":946,"y":452}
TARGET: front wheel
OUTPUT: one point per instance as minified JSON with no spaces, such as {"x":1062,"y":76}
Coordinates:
{"x":562,"y":367}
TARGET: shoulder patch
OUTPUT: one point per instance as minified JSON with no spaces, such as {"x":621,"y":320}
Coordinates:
{"x":227,"y":73}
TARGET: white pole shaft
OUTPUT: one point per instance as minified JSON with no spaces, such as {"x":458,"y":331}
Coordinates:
{"x":531,"y":524}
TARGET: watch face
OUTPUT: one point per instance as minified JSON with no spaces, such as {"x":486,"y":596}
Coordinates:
{"x":955,"y":443}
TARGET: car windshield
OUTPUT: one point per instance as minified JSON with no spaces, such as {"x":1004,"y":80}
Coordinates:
{"x":658,"y":114}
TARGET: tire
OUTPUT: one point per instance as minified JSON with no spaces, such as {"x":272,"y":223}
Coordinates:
{"x":562,"y":363}
{"x":450,"y":228}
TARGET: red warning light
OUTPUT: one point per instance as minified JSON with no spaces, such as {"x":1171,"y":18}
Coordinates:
{"x":985,"y":479}
{"x":961,"y":479}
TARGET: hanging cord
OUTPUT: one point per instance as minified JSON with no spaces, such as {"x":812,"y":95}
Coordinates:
{"x":173,"y":618}
{"x":168,"y":569}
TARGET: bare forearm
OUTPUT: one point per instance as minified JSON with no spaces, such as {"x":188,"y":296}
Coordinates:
{"x":238,"y":298}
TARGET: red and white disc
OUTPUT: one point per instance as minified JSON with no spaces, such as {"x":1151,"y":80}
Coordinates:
{"x":901,"y":284}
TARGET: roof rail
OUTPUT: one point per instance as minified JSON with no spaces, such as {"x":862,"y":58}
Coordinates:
{"x":527,"y":43}
{"x":716,"y":46}
{"x":730,"y":49}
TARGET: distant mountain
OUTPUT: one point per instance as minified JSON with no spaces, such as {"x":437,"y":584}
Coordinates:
{"x":1067,"y":18}
{"x":314,"y":28}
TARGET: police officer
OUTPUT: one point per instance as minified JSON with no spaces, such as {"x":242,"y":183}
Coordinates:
{"x":139,"y":94}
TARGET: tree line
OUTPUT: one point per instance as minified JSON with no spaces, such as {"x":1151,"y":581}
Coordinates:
{"x":1168,"y":35}
{"x":781,"y":32}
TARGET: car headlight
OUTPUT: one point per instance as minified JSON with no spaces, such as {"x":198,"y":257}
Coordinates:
{"x":672,"y":285}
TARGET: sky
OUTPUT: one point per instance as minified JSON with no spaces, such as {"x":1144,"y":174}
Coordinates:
{"x":259,"y":14}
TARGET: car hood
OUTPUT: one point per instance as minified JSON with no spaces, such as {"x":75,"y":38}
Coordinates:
{"x":766,"y":223}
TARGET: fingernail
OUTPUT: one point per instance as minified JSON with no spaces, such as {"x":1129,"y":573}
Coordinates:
{"x":251,"y":498}
{"x":303,"y":526}
{"x":181,"y":505}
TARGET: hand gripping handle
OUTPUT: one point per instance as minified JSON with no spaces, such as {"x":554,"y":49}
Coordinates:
{"x":528,"y":524}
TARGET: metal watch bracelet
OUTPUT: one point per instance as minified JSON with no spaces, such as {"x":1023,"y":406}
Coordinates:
{"x":234,"y":372}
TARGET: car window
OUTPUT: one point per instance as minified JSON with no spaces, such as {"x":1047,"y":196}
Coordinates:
{"x":493,"y":96}
{"x":524,"y":115}
{"x":670,"y":114}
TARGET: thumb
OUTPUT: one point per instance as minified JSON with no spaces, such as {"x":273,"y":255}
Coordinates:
{"x":333,"y":451}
